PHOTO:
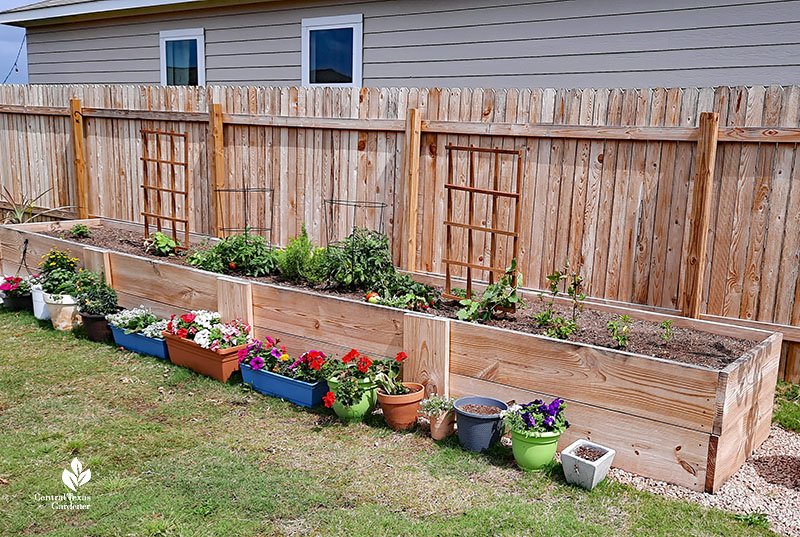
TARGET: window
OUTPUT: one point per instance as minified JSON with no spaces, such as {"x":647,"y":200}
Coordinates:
{"x":332,"y":51}
{"x":183,"y":57}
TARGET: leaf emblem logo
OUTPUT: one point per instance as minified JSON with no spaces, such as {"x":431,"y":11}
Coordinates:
{"x":77,"y":477}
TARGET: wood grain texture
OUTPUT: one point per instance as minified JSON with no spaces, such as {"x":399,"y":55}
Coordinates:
{"x":235,"y":299}
{"x":426,"y":341}
{"x":656,"y":389}
{"x":644,"y":446}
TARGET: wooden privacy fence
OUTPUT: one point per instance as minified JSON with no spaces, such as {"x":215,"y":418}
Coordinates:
{"x":652,"y":206}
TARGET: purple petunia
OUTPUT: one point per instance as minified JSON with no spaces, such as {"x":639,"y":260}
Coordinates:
{"x":276,"y":353}
{"x":549,"y":421}
{"x":257,"y":363}
{"x":529,"y":420}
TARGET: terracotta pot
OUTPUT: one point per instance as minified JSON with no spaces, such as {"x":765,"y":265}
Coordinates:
{"x":442,"y":425}
{"x":219,"y":365}
{"x":63,"y":311}
{"x":400,"y":411}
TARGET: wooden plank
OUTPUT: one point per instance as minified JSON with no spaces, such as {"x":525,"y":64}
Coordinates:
{"x":361,"y":124}
{"x":700,"y":215}
{"x":579,"y":132}
{"x":413,"y":141}
{"x":370,"y":329}
{"x":644,"y":446}
{"x":235,"y":299}
{"x":426,"y":341}
{"x":217,"y":151}
{"x":34,"y":110}
{"x":79,"y":159}
{"x":657,"y":389}
{"x":146,"y":115}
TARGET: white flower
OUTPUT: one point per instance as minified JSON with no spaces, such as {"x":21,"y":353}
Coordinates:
{"x":203,"y":338}
{"x":154,"y":330}
{"x":206,"y":319}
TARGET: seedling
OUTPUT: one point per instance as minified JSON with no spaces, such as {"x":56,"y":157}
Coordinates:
{"x":80,"y":231}
{"x":161,"y":245}
{"x":573,"y":287}
{"x":666,"y":326}
{"x":620,"y":331}
{"x":561,"y":328}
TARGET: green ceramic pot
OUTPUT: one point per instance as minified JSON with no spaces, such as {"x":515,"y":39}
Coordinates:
{"x":534,"y":452}
{"x":361,"y":408}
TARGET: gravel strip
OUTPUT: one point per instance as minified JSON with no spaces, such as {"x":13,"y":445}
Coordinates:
{"x":769,"y":482}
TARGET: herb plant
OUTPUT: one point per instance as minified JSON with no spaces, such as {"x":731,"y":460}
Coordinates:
{"x":294,"y":261}
{"x":161,"y":245}
{"x":80,"y":231}
{"x":620,"y":331}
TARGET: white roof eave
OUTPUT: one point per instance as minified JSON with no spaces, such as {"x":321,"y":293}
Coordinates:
{"x":58,"y":12}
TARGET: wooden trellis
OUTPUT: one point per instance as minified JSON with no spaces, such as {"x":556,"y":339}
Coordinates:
{"x":153,"y":208}
{"x":471,"y":225}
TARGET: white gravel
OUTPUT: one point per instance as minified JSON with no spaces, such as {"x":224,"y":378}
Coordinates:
{"x":769,"y":483}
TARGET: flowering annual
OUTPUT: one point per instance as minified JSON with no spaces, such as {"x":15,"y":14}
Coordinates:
{"x":139,"y":321}
{"x":269,"y":355}
{"x":206,"y":329}
{"x":354,"y":368}
{"x":14,"y":286}
{"x":536,"y":417}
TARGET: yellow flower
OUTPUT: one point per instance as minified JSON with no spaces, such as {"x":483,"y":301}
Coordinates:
{"x":285,"y":358}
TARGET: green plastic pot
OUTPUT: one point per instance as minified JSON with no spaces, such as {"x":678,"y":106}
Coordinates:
{"x":361,"y":408}
{"x":534,"y":452}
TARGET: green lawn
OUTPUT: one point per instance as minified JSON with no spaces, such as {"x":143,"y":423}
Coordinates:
{"x":174,"y":453}
{"x":787,"y":406}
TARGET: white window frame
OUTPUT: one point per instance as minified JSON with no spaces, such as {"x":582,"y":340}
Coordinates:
{"x":179,"y":35}
{"x":356,"y":22}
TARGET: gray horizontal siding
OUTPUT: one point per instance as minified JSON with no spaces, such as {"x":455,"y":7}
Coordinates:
{"x":561,"y":43}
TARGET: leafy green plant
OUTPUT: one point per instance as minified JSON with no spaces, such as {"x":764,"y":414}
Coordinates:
{"x":247,"y":253}
{"x":620,"y":331}
{"x":206,"y":257}
{"x":436,"y":405}
{"x":80,"y":231}
{"x":161,"y":245}
{"x":360,"y":261}
{"x":94,"y":295}
{"x":501,"y":295}
{"x":293,"y":262}
{"x":462,"y":293}
{"x":59,"y":282}
{"x":666,"y":326}
{"x":556,"y":326}
{"x":561,"y":328}
{"x":758,"y":520}
{"x":21,"y":211}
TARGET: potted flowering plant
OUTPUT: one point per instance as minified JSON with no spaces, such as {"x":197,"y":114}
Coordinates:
{"x":535,"y":429}
{"x":58,"y":272}
{"x":351,"y":384}
{"x":139,"y":330}
{"x":439,"y":410}
{"x":269,"y":369}
{"x":200,"y":341}
{"x":399,"y":400}
{"x":16,"y":293}
{"x":96,"y":299}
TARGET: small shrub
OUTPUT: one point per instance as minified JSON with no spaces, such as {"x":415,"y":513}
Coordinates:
{"x":620,"y":331}
{"x":247,"y":253}
{"x":94,"y":295}
{"x":161,"y":245}
{"x":293,"y":262}
{"x":80,"y":231}
{"x":206,"y":257}
{"x":561,"y":328}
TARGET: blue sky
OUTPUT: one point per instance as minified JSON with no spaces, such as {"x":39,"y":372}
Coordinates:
{"x":10,"y":39}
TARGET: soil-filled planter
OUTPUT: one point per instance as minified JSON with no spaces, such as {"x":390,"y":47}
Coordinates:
{"x":39,"y":307}
{"x":360,"y":408}
{"x":534,"y":452}
{"x":442,"y":425}
{"x":97,"y":328}
{"x":400,"y":411}
{"x":142,"y":344}
{"x":18,"y":303}
{"x":479,"y":432}
{"x":582,"y":472}
{"x":298,"y":392}
{"x":219,"y":365}
{"x":63,"y":310}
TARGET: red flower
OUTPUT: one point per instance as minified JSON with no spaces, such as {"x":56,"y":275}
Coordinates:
{"x":169,"y":326}
{"x":329,"y":399}
{"x":182,"y":333}
{"x":232,"y":265}
{"x":401,"y":356}
{"x":188,"y":318}
{"x":316,"y":363}
{"x":350,"y":355}
{"x":364,"y":363}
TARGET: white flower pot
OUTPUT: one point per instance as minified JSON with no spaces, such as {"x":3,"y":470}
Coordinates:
{"x":586,"y":474}
{"x":39,"y":307}
{"x":63,"y":310}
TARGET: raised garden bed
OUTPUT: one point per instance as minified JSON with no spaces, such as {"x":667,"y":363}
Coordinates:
{"x":687,"y":424}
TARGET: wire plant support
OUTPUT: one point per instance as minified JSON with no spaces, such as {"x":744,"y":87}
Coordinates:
{"x":356,"y":206}
{"x":266,"y":228}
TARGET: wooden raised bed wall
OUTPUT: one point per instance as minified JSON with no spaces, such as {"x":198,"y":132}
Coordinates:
{"x":685,"y":424}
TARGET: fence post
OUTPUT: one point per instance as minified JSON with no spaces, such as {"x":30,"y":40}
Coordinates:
{"x":79,"y":159}
{"x":215,"y":129}
{"x":700,"y":215}
{"x":411,"y":175}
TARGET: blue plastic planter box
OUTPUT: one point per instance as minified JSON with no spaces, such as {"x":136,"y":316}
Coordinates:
{"x":141,"y":344}
{"x":298,"y":392}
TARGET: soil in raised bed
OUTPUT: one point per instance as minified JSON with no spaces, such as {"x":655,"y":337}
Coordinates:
{"x":589,"y":453}
{"x":481,"y":410}
{"x":685,"y":345}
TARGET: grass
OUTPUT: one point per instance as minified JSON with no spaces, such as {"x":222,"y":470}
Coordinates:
{"x":173,"y":453}
{"x":787,"y":406}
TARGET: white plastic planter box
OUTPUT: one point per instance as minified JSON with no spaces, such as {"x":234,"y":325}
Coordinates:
{"x":586,"y":474}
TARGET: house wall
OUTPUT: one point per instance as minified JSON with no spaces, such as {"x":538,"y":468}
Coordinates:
{"x":471,"y":43}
